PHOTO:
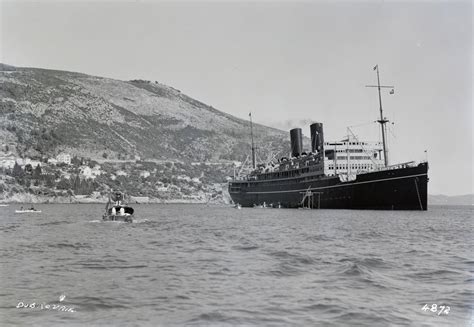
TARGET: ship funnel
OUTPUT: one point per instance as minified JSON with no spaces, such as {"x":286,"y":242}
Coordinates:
{"x":317,"y":137}
{"x":296,"y":142}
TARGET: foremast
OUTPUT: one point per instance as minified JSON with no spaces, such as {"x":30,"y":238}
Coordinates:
{"x":383,"y":120}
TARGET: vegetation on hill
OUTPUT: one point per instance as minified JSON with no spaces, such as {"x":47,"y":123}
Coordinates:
{"x":159,"y":181}
{"x":124,"y":125}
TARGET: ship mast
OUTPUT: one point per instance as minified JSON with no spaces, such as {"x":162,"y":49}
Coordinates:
{"x":253,"y":145}
{"x":383,"y":120}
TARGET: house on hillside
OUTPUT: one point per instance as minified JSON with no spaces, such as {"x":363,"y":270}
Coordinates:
{"x":64,"y":158}
{"x":7,"y":161}
{"x":20,"y":161}
{"x":144,"y":174}
{"x":88,"y":172}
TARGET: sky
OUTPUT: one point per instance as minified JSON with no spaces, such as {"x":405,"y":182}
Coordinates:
{"x":288,"y":62}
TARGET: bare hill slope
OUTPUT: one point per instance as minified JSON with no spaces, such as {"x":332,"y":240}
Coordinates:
{"x":44,"y":112}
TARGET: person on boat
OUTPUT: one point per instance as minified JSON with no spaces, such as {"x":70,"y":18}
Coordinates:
{"x":117,"y":197}
{"x":114,"y":211}
{"x":122,"y":211}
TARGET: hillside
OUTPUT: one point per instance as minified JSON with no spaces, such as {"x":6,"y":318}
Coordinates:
{"x":116,"y":127}
{"x":46,"y":112}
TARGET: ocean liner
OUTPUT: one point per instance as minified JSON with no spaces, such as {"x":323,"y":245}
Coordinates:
{"x":335,"y":175}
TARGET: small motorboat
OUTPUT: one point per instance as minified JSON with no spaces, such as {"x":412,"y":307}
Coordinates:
{"x":31,"y":210}
{"x":118,"y":211}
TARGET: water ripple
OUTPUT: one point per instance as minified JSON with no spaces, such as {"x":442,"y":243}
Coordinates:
{"x":214,"y":266}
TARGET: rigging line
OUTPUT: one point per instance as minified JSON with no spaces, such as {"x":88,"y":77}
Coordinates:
{"x":373,"y":123}
{"x":363,"y":124}
{"x":392,"y":132}
{"x":243,"y":166}
{"x":362,"y":146}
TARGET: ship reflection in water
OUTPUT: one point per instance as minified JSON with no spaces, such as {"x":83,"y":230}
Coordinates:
{"x":335,"y":175}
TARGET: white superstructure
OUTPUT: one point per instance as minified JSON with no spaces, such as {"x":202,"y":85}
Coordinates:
{"x":352,"y":156}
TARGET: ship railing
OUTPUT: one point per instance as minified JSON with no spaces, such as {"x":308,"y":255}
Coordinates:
{"x":245,"y":178}
{"x":398,"y":166}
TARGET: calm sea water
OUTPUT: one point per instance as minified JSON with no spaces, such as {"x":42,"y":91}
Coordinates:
{"x":199,"y":265}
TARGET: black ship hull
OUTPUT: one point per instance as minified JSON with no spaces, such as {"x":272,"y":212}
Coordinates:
{"x":399,"y":188}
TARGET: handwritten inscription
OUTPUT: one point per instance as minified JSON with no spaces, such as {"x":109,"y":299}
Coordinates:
{"x":46,"y":306}
{"x":438,"y":309}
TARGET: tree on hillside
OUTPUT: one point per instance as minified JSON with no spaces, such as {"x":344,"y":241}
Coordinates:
{"x":92,"y":163}
{"x":28,"y":169}
{"x":26,"y":182}
{"x":50,"y":182}
{"x":75,"y":161}
{"x":17,"y":171}
{"x":63,"y":184}
{"x":37,"y":172}
{"x":76,"y":184}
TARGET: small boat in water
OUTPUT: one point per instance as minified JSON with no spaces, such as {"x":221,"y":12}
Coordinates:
{"x":260,"y":206}
{"x":118,"y":211}
{"x":31,"y":210}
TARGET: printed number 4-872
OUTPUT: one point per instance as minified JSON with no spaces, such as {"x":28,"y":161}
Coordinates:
{"x":443,"y":309}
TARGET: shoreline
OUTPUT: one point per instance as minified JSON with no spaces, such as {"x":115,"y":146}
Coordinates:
{"x":34,"y":199}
